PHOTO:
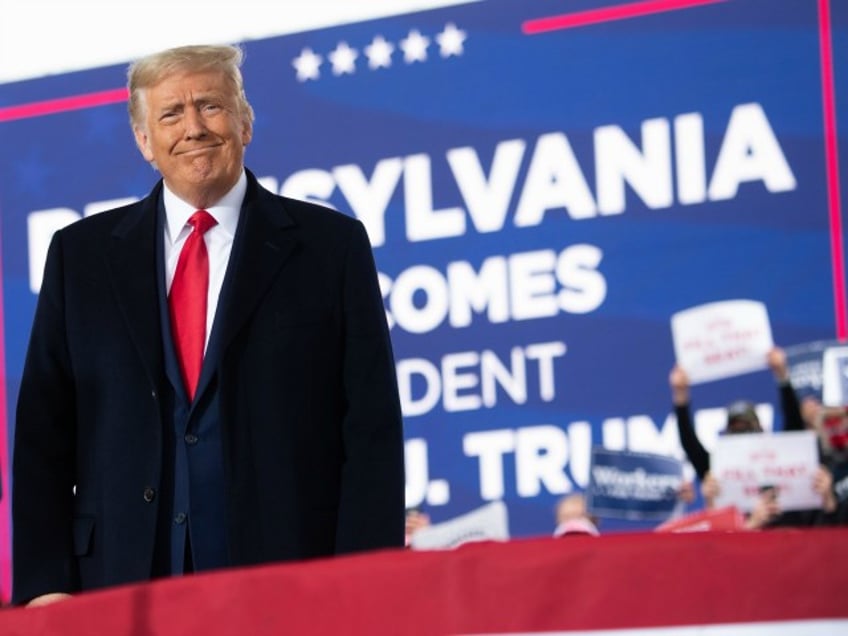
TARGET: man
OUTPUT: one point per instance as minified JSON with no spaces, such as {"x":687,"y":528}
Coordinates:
{"x":209,"y":380}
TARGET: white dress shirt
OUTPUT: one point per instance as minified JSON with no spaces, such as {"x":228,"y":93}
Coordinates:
{"x":218,"y":239}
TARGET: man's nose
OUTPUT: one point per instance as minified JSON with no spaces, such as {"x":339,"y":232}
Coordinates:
{"x":194,"y":125}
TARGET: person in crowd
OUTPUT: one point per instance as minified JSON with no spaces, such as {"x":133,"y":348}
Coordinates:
{"x":741,"y":415}
{"x":573,"y":518}
{"x":209,"y":381}
{"x":767,"y":511}
{"x":811,"y":408}
{"x":840,"y":492}
{"x":742,"y":418}
{"x":831,"y":423}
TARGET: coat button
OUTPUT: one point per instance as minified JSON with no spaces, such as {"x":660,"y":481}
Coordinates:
{"x":190,"y":439}
{"x":180,"y":518}
{"x":149,"y":494}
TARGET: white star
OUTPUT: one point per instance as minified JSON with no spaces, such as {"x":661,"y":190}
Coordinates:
{"x":415,"y":47}
{"x":450,"y":40}
{"x":307,"y":64}
{"x":379,"y":53}
{"x":343,"y":59}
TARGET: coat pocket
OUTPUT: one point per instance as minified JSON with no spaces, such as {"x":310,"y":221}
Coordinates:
{"x":83,"y":535}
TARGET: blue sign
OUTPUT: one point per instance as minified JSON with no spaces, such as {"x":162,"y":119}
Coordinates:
{"x":634,"y":486}
{"x":805,"y":362}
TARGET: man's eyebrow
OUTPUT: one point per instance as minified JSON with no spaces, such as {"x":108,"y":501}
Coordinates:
{"x":211,"y":96}
{"x":174,"y":104}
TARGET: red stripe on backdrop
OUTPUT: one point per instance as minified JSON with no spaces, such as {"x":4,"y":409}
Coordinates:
{"x":5,"y":517}
{"x":63,"y":104}
{"x":607,"y":14}
{"x":831,"y":155}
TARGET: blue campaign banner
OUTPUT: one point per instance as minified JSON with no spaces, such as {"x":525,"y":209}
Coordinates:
{"x":544,"y":184}
{"x":633,"y":486}
{"x":805,"y":362}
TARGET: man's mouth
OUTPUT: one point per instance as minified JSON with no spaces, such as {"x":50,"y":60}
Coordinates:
{"x":196,"y":151}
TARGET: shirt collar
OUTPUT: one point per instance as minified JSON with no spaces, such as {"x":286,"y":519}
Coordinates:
{"x":226,"y":211}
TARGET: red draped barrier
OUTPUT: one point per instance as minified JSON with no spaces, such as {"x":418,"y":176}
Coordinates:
{"x":573,"y":583}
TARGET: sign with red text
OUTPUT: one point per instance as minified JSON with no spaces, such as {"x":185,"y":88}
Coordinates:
{"x":721,"y":339}
{"x":745,"y":464}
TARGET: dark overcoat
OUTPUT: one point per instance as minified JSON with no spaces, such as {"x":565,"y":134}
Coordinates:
{"x":310,"y":420}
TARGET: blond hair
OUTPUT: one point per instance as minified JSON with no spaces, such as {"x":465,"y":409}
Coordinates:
{"x":150,"y":70}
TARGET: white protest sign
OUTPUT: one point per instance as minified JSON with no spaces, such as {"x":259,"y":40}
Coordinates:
{"x":487,"y":523}
{"x":747,"y":462}
{"x":722,"y":339}
{"x":835,"y":376}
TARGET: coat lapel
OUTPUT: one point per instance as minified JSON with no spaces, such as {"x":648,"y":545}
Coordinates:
{"x":131,"y":260}
{"x":262,"y":245}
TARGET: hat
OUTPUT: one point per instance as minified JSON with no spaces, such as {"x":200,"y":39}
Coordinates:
{"x":742,"y":410}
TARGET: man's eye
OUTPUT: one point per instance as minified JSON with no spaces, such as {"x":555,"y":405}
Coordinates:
{"x":211,"y":108}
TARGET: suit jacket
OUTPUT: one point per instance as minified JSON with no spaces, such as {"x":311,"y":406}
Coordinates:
{"x":302,"y":368}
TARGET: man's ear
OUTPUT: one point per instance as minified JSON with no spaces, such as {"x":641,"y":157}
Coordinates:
{"x":246,"y":131}
{"x":143,"y":142}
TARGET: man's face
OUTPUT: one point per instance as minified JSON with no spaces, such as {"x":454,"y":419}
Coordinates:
{"x":193,"y":131}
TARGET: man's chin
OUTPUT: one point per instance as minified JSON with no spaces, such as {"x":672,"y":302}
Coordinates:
{"x":201,"y":185}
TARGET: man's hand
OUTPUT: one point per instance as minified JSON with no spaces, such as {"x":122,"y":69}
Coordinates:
{"x":48,"y":599}
{"x":679,"y":382}
{"x":765,"y":510}
{"x":415,"y":520}
{"x":777,"y":363}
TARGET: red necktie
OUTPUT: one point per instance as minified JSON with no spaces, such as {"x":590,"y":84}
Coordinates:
{"x":189,"y":291}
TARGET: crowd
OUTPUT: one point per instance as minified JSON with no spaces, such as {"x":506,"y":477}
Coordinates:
{"x":805,"y":414}
{"x":572,"y":515}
